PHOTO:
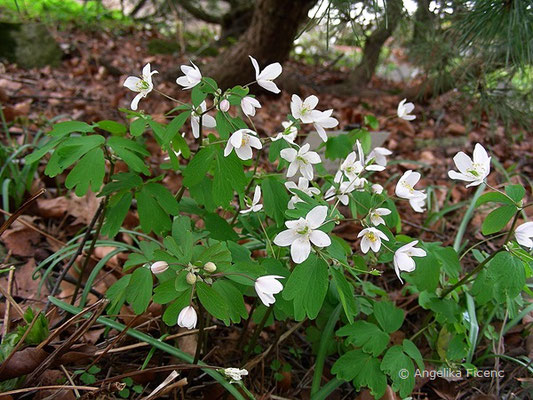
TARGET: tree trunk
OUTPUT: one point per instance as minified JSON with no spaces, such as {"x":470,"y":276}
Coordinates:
{"x":268,"y":39}
{"x":423,"y":22}
{"x":363,"y":73}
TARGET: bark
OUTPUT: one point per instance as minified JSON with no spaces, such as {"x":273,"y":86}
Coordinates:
{"x":363,"y":73}
{"x":268,"y":39}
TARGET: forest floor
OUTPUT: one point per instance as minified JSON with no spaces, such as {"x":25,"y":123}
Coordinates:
{"x":87,"y":86}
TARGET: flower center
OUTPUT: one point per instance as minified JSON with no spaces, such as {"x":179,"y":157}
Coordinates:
{"x":302,"y":160}
{"x":142,"y":85}
{"x":477,"y":170}
{"x":372,"y":237}
{"x":245,"y":140}
{"x":304,"y":231}
{"x":408,"y":187}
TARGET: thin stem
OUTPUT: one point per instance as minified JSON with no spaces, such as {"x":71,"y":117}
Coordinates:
{"x":200,"y":334}
{"x":170,"y":98}
{"x":257,"y":331}
{"x":469,"y":275}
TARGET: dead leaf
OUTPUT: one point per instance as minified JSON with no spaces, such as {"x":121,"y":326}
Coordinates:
{"x":21,"y":240}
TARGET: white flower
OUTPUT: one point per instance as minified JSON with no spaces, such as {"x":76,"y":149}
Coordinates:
{"x":159,"y":267}
{"x":302,"y":160}
{"x":303,"y":186}
{"x":207,"y":120}
{"x":242,"y":141}
{"x":224,"y":105}
{"x":321,"y":120}
{"x":235,"y":374}
{"x":471,"y":171}
{"x":524,"y":234}
{"x":142,"y":85}
{"x":405,"y":186}
{"x":405,"y":190}
{"x":371,"y":239}
{"x":303,"y":232}
{"x":350,"y":167}
{"x":344,"y":189}
{"x":254,"y":206}
{"x":289,"y":133}
{"x":417,"y":203}
{"x":266,"y":287}
{"x":265,"y":77}
{"x":404,"y":109}
{"x":403,"y":258}
{"x":303,"y":110}
{"x":377,"y":188}
{"x":187,"y":318}
{"x":379,"y":154}
{"x":192,"y":76}
{"x":375,"y":216}
{"x":249,"y":104}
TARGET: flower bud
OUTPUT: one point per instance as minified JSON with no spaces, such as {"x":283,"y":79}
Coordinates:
{"x":159,"y":267}
{"x":224,"y":105}
{"x":191,"y":278}
{"x":210,"y":267}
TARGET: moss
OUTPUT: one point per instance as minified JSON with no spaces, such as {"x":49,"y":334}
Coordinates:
{"x":29,"y":45}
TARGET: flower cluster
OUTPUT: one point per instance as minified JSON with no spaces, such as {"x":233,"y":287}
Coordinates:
{"x":310,"y":232}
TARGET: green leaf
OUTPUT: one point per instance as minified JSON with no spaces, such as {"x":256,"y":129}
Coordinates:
{"x":62,"y":129}
{"x":497,"y":219}
{"x":275,"y":199}
{"x":117,"y":210}
{"x":117,"y":294}
{"x":365,"y":335}
{"x":197,"y":168}
{"x":137,"y":127}
{"x":139,"y":290}
{"x":170,"y":316}
{"x":233,"y":298}
{"x":389,"y":317}
{"x":219,"y":228}
{"x":395,"y":363}
{"x":307,"y":287}
{"x":70,"y":151}
{"x":228,"y":177}
{"x":363,"y":369}
{"x":371,"y":122}
{"x":515,"y":192}
{"x":121,"y":181}
{"x":427,"y":273}
{"x":112,"y":127}
{"x":508,"y":275}
{"x":346,"y":294}
{"x":412,"y":351}
{"x":130,"y":152}
{"x":213,"y":302}
{"x":165,"y":292}
{"x":197,"y":95}
{"x":493,"y":197}
{"x":338,"y":146}
{"x":173,"y":128}
{"x":89,"y":171}
{"x":43,"y":150}
{"x":154,"y":204}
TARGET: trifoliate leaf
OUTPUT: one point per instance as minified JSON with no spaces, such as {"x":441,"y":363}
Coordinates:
{"x":89,"y":172}
{"x":368,"y":336}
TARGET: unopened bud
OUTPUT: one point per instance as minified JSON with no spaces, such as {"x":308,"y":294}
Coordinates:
{"x":377,"y":189}
{"x":191,"y":278}
{"x":224,"y":105}
{"x":159,"y":267}
{"x":210,"y":267}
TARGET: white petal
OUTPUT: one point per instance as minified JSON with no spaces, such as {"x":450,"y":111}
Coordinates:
{"x":269,"y":85}
{"x":300,"y":250}
{"x":244,"y":152}
{"x":365,"y":245}
{"x":271,"y":71}
{"x":316,"y":216}
{"x":462,"y":162}
{"x":319,"y":238}
{"x":208,"y":121}
{"x":228,"y":149}
{"x":135,"y":101}
{"x":285,"y":238}
{"x":254,"y":142}
{"x":293,"y":169}
{"x":288,"y":154}
{"x":131,"y":83}
{"x":256,"y":66}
